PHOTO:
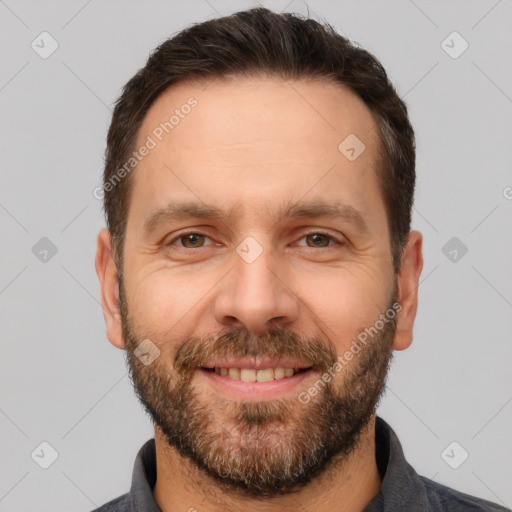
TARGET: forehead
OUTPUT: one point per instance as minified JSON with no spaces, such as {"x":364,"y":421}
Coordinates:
{"x":255,"y":140}
{"x":245,"y":110}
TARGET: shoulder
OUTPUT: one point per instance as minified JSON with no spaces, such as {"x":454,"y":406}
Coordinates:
{"x":446,"y":498}
{"x":119,"y":504}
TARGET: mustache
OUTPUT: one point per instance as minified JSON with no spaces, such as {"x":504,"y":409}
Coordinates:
{"x":195,"y":352}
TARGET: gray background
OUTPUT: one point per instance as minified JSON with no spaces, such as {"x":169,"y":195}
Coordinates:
{"x":61,"y":380}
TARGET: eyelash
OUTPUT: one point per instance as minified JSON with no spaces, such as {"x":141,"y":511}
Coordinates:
{"x":185,"y":233}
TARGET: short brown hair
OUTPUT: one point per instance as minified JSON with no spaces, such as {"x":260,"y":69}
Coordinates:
{"x":283,"y":45}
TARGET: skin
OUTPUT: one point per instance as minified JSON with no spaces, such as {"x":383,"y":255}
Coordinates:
{"x":250,"y":146}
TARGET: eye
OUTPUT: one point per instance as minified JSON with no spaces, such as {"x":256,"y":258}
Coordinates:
{"x":319,"y":239}
{"x":195,"y":240}
{"x":190,"y":240}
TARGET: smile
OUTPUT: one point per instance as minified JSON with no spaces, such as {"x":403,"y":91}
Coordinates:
{"x":254,"y":379}
{"x":255,"y":375}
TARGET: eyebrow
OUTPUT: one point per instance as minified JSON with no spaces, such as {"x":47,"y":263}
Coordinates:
{"x":193,"y":210}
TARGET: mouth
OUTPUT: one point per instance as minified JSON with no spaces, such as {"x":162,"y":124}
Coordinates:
{"x":256,"y":375}
{"x":256,"y":379}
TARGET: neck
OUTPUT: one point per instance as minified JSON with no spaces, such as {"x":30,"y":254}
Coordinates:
{"x":347,"y":486}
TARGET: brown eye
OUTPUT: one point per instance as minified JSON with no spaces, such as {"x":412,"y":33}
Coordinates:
{"x":318,"y":240}
{"x":192,"y":240}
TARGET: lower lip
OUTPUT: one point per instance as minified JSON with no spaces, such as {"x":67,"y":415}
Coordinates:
{"x":257,"y":390}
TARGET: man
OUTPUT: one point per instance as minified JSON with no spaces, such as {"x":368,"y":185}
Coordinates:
{"x":259,"y":270}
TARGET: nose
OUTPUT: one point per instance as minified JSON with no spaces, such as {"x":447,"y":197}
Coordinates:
{"x":256,"y":296}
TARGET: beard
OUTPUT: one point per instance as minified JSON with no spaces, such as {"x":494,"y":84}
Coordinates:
{"x":260,"y":448}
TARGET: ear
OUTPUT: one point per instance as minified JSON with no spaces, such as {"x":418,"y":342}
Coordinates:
{"x":408,"y":282}
{"x":107,"y":274}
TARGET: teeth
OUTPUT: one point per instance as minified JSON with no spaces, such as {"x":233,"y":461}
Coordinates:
{"x":247,"y":375}
{"x":252,"y":375}
{"x":234,"y":373}
{"x":265,"y":375}
{"x":278,"y":373}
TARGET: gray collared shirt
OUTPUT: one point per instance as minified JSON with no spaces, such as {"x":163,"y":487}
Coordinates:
{"x":402,"y":488}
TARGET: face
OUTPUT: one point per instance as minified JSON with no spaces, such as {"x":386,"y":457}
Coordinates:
{"x":256,"y":255}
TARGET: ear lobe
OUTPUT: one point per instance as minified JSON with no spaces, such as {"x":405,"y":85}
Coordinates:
{"x":108,"y":277}
{"x":408,"y":282}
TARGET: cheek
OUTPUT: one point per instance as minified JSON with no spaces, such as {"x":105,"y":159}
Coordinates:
{"x":342,"y":302}
{"x":164,"y":301}
{"x":170,"y":304}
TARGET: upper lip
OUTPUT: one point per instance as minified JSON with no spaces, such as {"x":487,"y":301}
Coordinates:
{"x":257,"y":363}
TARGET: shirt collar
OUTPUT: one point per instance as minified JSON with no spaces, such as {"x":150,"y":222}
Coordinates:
{"x":140,"y":497}
{"x":402,"y":488}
